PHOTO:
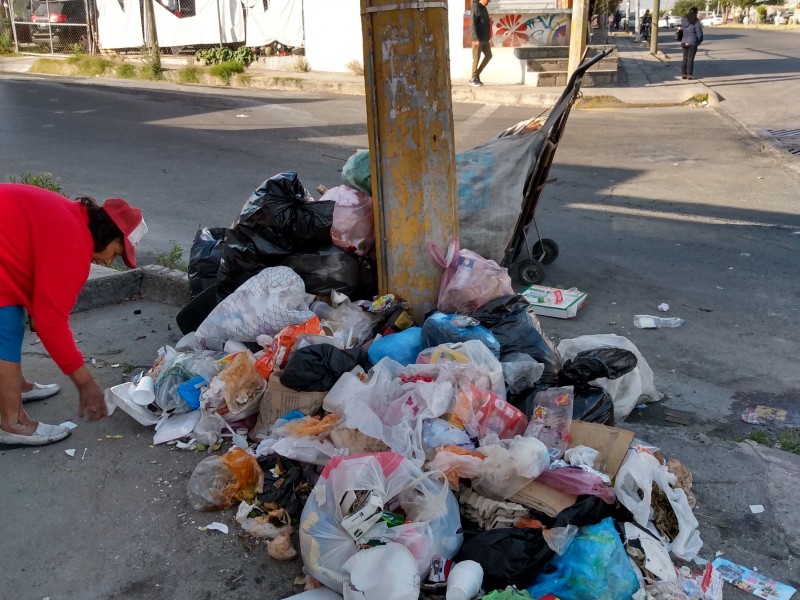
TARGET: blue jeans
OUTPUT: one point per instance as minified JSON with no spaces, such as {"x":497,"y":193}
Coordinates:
{"x":12,"y":332}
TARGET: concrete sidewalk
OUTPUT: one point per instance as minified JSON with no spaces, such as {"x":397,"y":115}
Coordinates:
{"x":644,"y":80}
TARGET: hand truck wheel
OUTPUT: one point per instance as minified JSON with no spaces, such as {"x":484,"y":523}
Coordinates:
{"x":531,"y":271}
{"x":546,"y":250}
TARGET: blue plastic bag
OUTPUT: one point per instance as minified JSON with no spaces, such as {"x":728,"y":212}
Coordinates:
{"x":441,"y":328}
{"x":402,"y":347}
{"x":594,"y":567}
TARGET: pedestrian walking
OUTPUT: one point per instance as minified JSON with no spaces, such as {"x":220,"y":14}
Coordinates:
{"x":692,"y":37}
{"x":481,"y":40}
{"x":47,"y":244}
{"x":646,"y":24}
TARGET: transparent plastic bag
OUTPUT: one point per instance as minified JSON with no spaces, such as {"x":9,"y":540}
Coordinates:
{"x":509,"y":465}
{"x":326,"y":545}
{"x":353,"y":227}
{"x":178,"y":368}
{"x":218,"y":482}
{"x":243,"y":384}
{"x":551,"y":419}
{"x":264,"y":304}
{"x":486,"y":371}
{"x":634,"y":489}
{"x":469,"y":281}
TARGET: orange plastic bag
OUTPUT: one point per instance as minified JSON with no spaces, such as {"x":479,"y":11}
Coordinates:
{"x":313,"y":426}
{"x":218,"y":482}
{"x":277,"y":356}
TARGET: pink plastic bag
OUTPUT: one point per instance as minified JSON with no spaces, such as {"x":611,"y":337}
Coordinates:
{"x":469,"y":281}
{"x":572,"y":480}
{"x":353,"y":226}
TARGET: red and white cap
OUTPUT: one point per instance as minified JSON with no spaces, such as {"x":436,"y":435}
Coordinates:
{"x":131,"y":224}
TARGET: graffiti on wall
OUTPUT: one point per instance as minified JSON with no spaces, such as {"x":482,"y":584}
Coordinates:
{"x":515,"y":30}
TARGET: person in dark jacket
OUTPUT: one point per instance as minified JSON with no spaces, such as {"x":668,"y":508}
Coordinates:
{"x":692,"y":38}
{"x":481,"y":40}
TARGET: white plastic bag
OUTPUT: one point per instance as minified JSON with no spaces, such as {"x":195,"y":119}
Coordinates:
{"x":264,"y":304}
{"x":326,"y":545}
{"x":626,"y":391}
{"x":385,"y":408}
{"x":509,"y":465}
{"x":634,"y":486}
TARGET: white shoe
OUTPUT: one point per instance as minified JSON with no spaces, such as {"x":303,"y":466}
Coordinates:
{"x":44,"y":434}
{"x":41,"y":391}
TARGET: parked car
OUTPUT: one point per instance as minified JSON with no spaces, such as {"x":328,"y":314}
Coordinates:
{"x":63,"y":21}
{"x":670,"y":21}
{"x":711,"y":20}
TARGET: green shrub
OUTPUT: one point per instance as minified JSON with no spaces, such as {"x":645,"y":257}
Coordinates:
{"x":173,"y":259}
{"x":42,"y":180}
{"x":6,"y":42}
{"x":126,"y":71}
{"x":219,"y":55}
{"x":76,"y":49}
{"x":189,"y":75}
{"x":224,"y":70}
{"x":90,"y":66}
{"x":150,"y":71}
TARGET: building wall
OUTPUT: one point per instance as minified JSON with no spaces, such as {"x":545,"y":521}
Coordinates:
{"x":334,"y":37}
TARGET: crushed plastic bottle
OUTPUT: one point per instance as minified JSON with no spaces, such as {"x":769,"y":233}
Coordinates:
{"x":651,"y":322}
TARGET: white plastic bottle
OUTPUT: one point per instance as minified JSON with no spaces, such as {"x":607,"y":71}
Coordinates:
{"x":464,"y":581}
{"x":651,"y":322}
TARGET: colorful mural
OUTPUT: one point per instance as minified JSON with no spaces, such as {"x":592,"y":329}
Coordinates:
{"x":515,"y":30}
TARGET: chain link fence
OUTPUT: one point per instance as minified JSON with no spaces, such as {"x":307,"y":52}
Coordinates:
{"x":71,"y":27}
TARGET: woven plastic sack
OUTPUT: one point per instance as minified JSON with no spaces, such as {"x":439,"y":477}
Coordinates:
{"x":219,"y":482}
{"x":264,"y":304}
{"x":468,"y":281}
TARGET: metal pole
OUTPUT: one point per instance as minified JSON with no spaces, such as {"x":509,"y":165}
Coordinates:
{"x":654,"y":28}
{"x":636,"y":26}
{"x":219,"y":22}
{"x":49,"y":27}
{"x":155,"y":53}
{"x":14,"y":25}
{"x":627,"y":14}
{"x":412,"y":150}
{"x":577,"y":34}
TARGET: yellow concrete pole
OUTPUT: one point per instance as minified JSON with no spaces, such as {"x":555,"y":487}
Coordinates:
{"x":412,"y":152}
{"x":577,"y":34}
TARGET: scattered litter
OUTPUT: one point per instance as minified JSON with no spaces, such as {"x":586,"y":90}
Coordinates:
{"x":242,"y":116}
{"x":115,"y":365}
{"x":663,"y":307}
{"x":215,"y":526}
{"x":84,"y":453}
{"x":764,"y":415}
{"x":553,"y":302}
{"x":68,"y":425}
{"x":756,"y":509}
{"x":744,"y":254}
{"x":70,"y":452}
{"x":752,"y":582}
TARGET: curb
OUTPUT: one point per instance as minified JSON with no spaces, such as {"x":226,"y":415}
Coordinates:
{"x":151,"y":282}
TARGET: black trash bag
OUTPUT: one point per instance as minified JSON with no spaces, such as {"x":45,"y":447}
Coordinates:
{"x":197,"y":309}
{"x":317,"y":368}
{"x":287,"y":484}
{"x":592,"y":403}
{"x":518,"y":330}
{"x":331,"y":268}
{"x":277,"y":220}
{"x":204,"y":258}
{"x":509,"y":556}
{"x":587,"y":510}
{"x":600,"y":362}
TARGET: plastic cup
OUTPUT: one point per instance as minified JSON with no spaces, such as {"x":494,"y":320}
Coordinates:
{"x":144,"y":394}
{"x":464,"y":581}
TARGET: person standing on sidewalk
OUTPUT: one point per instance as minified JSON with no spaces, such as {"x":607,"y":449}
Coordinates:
{"x":692,"y":38}
{"x":481,"y":40}
{"x":47,"y":244}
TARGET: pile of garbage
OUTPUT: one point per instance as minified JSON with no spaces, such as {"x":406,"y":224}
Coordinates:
{"x":464,"y":455}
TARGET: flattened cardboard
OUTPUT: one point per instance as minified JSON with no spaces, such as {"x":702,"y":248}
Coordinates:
{"x":278,"y":400}
{"x":612,"y":444}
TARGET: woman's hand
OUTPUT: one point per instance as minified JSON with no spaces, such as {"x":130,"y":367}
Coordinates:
{"x":92,"y":401}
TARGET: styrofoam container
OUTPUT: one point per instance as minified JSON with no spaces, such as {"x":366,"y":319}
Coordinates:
{"x":121,"y":396}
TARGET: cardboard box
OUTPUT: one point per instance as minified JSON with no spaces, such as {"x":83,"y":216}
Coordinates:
{"x":612,"y":444}
{"x":544,"y":301}
{"x":278,"y":400}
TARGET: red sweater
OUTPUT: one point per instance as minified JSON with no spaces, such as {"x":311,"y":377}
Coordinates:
{"x":45,"y":255}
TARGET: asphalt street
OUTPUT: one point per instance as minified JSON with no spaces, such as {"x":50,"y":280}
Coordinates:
{"x":643,"y":212}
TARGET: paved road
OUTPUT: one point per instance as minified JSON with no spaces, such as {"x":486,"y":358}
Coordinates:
{"x":711,"y":228}
{"x":755,"y":71}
